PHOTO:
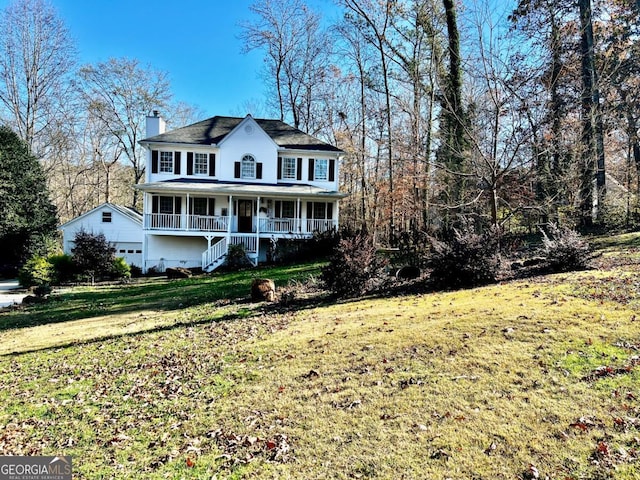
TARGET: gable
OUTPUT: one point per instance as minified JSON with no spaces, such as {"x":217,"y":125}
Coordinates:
{"x":121,"y":215}
{"x":248,"y":132}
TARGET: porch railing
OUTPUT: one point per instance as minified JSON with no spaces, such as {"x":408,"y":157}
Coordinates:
{"x":250,"y":242}
{"x":216,"y":251}
{"x":207,"y":223}
{"x":199,"y":223}
{"x":279,"y":225}
{"x":202,"y":223}
{"x":321,"y":225}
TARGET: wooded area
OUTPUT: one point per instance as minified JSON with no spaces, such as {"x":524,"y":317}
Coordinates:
{"x":448,"y":111}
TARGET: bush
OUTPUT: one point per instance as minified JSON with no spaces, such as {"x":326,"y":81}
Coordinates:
{"x":120,"y":268}
{"x":93,"y":255}
{"x":64,"y":269}
{"x":35,"y":272}
{"x":136,"y":271}
{"x":465,"y":259}
{"x":413,"y":248}
{"x":298,"y":250}
{"x":564,"y":249}
{"x":237,"y":258}
{"x":355,"y":267}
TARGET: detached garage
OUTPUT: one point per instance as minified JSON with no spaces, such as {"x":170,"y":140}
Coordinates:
{"x":121,"y":226}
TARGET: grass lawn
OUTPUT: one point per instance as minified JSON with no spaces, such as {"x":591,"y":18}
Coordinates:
{"x":538,"y":378}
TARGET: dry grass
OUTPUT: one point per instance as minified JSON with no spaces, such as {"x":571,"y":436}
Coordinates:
{"x":501,"y":382}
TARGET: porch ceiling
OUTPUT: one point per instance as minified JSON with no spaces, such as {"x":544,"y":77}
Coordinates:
{"x":183,"y":186}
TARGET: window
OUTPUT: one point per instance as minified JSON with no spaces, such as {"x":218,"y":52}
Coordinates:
{"x":248,"y":167}
{"x":319,"y":210}
{"x":200,"y":206}
{"x":289,"y":168}
{"x":166,"y":204}
{"x":166,"y":162}
{"x":321,"y":169}
{"x":285,"y":209}
{"x":106,"y":217}
{"x":288,"y":210}
{"x":201,"y":164}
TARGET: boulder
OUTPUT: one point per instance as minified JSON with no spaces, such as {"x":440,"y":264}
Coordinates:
{"x":263,"y":290}
{"x":178,"y":272}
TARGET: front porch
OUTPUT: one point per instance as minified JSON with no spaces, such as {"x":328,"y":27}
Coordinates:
{"x":169,"y":222}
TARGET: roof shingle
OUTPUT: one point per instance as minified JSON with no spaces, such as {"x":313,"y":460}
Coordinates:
{"x":213,"y":130}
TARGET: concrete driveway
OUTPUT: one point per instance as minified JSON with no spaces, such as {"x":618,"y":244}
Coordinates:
{"x":10,"y":293}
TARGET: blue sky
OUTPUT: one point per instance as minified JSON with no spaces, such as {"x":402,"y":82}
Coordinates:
{"x":195,"y":41}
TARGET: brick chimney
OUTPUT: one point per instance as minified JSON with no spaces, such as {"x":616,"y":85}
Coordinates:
{"x":155,"y":124}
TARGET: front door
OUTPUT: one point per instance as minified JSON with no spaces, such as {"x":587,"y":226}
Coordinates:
{"x":245,"y":216}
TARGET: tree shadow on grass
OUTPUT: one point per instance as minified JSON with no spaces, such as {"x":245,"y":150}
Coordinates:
{"x":271,"y":315}
{"x":157,"y":294}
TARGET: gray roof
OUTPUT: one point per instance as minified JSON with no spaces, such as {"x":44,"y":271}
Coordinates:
{"x":208,"y":187}
{"x":213,"y":130}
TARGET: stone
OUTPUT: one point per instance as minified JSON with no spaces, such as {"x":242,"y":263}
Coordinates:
{"x":263,"y":290}
{"x":177,"y":272}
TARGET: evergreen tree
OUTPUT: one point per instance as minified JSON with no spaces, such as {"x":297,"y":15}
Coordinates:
{"x":27,"y":216}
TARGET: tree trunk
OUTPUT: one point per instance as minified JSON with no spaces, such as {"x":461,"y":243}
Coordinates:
{"x":454,"y":114}
{"x":593,"y":179}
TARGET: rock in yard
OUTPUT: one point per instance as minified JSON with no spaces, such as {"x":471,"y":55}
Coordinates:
{"x":263,"y":290}
{"x":177,"y":272}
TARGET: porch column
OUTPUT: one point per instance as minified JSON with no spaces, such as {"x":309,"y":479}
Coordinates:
{"x":258,"y":218}
{"x":257,"y":230}
{"x":337,"y":214}
{"x":187,"y":213}
{"x":299,"y":214}
{"x":230,"y":217}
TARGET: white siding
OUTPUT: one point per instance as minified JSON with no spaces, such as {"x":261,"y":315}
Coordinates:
{"x":122,"y":232}
{"x":248,"y":141}
{"x":171,"y":251}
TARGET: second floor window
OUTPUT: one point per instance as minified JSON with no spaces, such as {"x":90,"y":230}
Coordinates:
{"x":321,"y":169}
{"x":200,"y":164}
{"x":166,"y":162}
{"x":289,"y":168}
{"x":248,"y":167}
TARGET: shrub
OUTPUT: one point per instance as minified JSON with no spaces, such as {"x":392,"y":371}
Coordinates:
{"x":237,"y":257}
{"x":35,"y":272}
{"x":93,"y":255}
{"x":136,"y":271}
{"x":465,"y":259}
{"x":63,"y":268}
{"x":120,"y":268}
{"x":297,"y":250}
{"x":355,"y":267}
{"x":413,"y":248}
{"x":564,"y":249}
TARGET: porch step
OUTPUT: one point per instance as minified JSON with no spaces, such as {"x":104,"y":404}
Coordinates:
{"x":214,"y":256}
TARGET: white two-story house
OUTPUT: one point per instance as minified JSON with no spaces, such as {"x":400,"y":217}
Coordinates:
{"x":228,"y":180}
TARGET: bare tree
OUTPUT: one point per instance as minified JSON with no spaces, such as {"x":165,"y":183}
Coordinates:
{"x":296,"y":50}
{"x":374,"y":18}
{"x":36,"y":57}
{"x":120,"y":93}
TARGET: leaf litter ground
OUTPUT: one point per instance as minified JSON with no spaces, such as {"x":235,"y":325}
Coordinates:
{"x":530,"y":379}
